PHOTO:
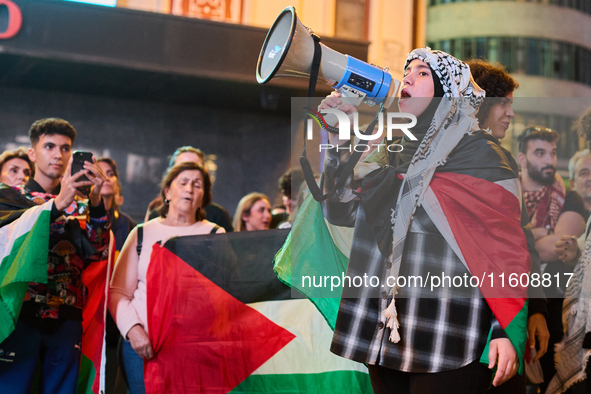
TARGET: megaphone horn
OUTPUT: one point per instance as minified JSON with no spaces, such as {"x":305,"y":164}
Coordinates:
{"x":288,"y":51}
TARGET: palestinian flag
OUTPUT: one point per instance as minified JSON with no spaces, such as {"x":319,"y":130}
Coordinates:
{"x":220,"y":321}
{"x":475,"y":202}
{"x":96,"y":278}
{"x":23,"y":250}
{"x":487,"y":236}
{"x":24,"y":243}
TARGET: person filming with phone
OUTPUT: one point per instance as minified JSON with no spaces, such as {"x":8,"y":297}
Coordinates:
{"x":49,"y":326}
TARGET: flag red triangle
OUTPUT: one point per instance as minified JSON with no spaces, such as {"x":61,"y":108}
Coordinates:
{"x":205,"y":340}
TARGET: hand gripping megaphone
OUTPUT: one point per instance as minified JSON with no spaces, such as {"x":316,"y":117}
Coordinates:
{"x":288,"y":51}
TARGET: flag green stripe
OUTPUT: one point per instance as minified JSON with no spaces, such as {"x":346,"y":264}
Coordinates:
{"x":26,"y":262}
{"x":517,"y":333}
{"x":86,"y":376}
{"x":328,"y":307}
{"x":20,"y":227}
{"x":34,"y":254}
{"x":282,"y":262}
{"x":311,"y":248}
{"x":326,"y":382}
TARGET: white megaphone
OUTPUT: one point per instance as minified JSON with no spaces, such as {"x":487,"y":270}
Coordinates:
{"x":288,"y":51}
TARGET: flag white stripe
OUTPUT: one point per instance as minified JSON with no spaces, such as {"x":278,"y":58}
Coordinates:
{"x":21,"y":226}
{"x":309,"y":352}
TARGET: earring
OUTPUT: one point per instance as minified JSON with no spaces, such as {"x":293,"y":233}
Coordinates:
{"x":166,"y":201}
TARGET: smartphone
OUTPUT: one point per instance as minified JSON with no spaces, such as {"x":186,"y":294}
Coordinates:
{"x":78,"y":159}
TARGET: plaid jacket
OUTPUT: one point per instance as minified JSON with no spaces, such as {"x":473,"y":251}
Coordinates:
{"x":438,"y":332}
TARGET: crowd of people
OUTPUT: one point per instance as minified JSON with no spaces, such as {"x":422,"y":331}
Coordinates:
{"x":453,"y":199}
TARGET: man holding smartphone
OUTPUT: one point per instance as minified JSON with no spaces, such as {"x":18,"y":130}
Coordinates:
{"x":49,"y":327}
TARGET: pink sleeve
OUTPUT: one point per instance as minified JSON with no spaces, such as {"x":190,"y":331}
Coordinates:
{"x":123,"y":285}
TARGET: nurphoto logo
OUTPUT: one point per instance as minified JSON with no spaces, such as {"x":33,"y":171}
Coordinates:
{"x":394,"y":121}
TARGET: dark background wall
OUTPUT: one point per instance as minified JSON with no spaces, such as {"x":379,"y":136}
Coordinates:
{"x":137,"y":85}
{"x":251,"y":149}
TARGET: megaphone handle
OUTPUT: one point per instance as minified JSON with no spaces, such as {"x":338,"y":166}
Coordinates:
{"x":350,"y":98}
{"x":356,"y":98}
{"x":313,"y":77}
{"x":342,"y":172}
{"x":306,"y":167}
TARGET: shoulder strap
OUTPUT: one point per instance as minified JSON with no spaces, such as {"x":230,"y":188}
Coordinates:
{"x":214,"y":229}
{"x":140,"y":238}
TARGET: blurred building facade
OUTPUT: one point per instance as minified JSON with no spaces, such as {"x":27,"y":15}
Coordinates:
{"x":545,"y":45}
{"x":160,"y":72}
{"x":392,"y":28}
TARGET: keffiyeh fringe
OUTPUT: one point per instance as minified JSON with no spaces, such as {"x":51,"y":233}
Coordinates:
{"x":576,"y":318}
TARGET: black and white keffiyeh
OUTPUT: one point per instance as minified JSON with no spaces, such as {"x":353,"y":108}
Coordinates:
{"x":576,"y":318}
{"x":455,"y":117}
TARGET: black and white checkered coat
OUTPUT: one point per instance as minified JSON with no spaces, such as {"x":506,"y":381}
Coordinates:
{"x":437,"y":334}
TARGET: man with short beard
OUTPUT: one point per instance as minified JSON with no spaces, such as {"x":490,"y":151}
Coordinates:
{"x":553,"y":212}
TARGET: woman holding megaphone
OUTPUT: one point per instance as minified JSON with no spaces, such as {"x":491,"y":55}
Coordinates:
{"x":438,"y":226}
